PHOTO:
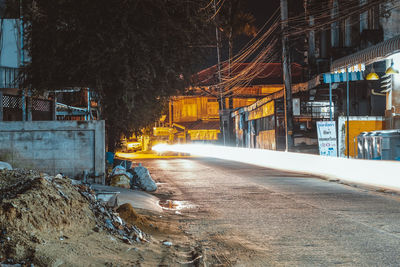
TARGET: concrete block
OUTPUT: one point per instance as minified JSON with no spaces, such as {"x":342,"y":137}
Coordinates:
{"x":23,"y":163}
{"x":64,"y":164}
{"x":45,"y":144}
{"x":84,"y":154}
{"x":67,"y":148}
{"x":23,"y":136}
{"x":6,"y":145}
{"x":5,"y":137}
{"x":83,"y":134}
{"x":83,"y":143}
{"x":43,"y":154}
{"x":81,"y":170}
{"x":64,"y":135}
{"x":21,"y":155}
{"x":66,"y":171}
{"x":23,"y":146}
{"x":83,"y":164}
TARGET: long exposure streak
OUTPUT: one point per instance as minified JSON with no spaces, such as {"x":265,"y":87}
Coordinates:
{"x":384,"y":174}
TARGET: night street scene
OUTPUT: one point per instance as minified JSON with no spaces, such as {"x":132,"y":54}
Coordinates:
{"x":199,"y":133}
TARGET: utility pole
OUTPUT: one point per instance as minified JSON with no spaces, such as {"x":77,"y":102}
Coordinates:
{"x":222,"y":102}
{"x":21,"y":64}
{"x":287,"y":78}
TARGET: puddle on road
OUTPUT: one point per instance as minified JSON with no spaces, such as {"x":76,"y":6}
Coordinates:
{"x":175,"y":205}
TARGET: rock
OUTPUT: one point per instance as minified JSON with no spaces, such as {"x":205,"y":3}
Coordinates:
{"x":113,"y":201}
{"x":121,"y":232}
{"x":126,"y":240}
{"x":62,"y":194}
{"x":118,"y":220}
{"x":109,"y":224}
{"x":5,"y":165}
{"x":58,"y":176}
{"x":167,"y":243}
{"x":144,"y":179}
{"x":75,"y":182}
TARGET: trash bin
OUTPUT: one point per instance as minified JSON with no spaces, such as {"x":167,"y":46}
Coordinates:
{"x":110,"y":157}
{"x":368,"y":146}
{"x":361,"y":153}
{"x":375,"y":143}
{"x":390,"y":144}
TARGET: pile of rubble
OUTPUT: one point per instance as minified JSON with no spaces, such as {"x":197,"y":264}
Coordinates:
{"x":36,"y":208}
{"x":107,"y":219}
{"x":136,"y":178}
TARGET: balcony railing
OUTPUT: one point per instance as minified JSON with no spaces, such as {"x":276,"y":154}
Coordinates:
{"x":8,"y":77}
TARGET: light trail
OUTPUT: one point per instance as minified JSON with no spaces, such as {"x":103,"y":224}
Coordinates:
{"x":385,"y":174}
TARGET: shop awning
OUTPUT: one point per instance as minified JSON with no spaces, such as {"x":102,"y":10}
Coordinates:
{"x":369,"y":55}
{"x":342,"y":77}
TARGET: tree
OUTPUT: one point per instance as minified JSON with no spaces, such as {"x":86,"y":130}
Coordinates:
{"x":233,"y":21}
{"x":133,"y":53}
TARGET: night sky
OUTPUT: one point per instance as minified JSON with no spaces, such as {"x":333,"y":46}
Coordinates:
{"x":262,"y":9}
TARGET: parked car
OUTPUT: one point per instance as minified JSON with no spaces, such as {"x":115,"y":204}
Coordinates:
{"x":131,"y":145}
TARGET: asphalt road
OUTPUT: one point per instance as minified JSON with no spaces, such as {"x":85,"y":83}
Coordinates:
{"x":251,"y":216}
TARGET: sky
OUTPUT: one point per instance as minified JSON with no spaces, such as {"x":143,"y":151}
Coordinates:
{"x":262,"y":9}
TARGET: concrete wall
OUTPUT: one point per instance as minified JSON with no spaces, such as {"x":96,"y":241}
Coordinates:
{"x":68,"y":147}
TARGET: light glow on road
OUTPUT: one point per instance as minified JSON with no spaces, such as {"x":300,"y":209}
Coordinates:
{"x":385,"y":174}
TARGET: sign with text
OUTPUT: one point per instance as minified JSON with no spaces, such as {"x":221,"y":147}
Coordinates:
{"x":327,"y":138}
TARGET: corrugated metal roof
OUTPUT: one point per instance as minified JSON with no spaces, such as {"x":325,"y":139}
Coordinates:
{"x":369,"y":55}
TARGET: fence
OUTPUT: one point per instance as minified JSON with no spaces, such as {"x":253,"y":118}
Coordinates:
{"x":316,"y":110}
{"x":42,"y":109}
{"x":9,"y":77}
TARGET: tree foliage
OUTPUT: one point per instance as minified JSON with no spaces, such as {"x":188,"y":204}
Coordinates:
{"x":133,"y":53}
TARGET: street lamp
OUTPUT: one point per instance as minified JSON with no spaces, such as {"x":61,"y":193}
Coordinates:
{"x":372,"y":76}
{"x":392,"y":69}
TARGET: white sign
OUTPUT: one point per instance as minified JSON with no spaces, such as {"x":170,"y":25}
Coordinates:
{"x":327,"y":138}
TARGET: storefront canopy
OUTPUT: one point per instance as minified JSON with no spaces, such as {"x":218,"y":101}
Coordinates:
{"x":369,"y":55}
{"x":342,"y":77}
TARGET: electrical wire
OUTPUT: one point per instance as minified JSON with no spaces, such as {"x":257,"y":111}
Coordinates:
{"x":324,"y":19}
{"x":218,"y":9}
{"x":207,"y":6}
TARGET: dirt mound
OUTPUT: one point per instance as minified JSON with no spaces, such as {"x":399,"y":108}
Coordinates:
{"x":34,"y":209}
{"x":130,"y":216}
{"x":9,"y":179}
{"x":37,"y":210}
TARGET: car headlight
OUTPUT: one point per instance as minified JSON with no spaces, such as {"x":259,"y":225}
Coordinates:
{"x":130,"y":145}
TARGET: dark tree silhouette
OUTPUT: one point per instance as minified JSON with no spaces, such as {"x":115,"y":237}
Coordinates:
{"x":133,"y":53}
